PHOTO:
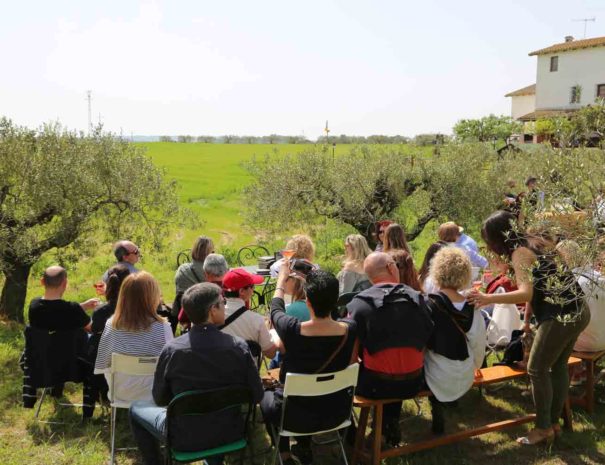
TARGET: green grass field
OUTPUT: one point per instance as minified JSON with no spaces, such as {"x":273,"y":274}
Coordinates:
{"x":23,"y":440}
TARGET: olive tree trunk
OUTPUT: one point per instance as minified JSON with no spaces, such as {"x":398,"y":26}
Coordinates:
{"x":12,"y":300}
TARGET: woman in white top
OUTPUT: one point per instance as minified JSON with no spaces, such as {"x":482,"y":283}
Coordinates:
{"x":134,"y":329}
{"x":352,"y":277}
{"x":456,"y":348}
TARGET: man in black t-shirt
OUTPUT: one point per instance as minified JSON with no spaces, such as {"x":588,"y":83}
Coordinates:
{"x":52,"y":312}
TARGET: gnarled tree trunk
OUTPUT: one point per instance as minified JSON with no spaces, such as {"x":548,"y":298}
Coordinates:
{"x":14,"y":291}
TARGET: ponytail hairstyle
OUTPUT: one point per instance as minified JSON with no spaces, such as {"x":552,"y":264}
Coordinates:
{"x":115,"y":277}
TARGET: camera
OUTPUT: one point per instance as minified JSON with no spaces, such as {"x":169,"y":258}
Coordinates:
{"x":301,"y":267}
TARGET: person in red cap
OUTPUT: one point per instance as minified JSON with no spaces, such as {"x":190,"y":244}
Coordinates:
{"x":238,"y":287}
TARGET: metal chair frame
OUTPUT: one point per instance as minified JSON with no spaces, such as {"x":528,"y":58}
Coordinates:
{"x":250,"y":252}
{"x":240,"y":396}
{"x":310,"y":385}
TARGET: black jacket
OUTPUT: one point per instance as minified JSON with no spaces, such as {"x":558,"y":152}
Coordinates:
{"x":54,"y":357}
{"x":451,"y":325}
{"x":391,"y":316}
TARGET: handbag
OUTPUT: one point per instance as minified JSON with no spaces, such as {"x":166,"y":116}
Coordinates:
{"x":504,"y":320}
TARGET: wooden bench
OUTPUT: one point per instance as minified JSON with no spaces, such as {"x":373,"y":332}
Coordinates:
{"x":589,"y":360}
{"x":490,"y":375}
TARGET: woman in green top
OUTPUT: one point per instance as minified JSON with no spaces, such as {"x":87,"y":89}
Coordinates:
{"x":298,"y":308}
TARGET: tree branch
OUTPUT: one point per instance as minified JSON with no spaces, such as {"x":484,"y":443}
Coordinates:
{"x":420,"y":224}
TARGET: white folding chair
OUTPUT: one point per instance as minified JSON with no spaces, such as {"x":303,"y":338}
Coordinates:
{"x":131,"y":366}
{"x":314,"y":386}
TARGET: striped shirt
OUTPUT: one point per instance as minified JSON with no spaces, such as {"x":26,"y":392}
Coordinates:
{"x":147,"y":343}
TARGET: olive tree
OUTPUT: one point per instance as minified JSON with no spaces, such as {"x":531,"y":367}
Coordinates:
{"x":486,"y":129}
{"x":369,"y":183}
{"x":58,"y":187}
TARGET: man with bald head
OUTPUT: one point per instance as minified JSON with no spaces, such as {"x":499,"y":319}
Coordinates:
{"x":53,"y":313}
{"x":393,"y":326}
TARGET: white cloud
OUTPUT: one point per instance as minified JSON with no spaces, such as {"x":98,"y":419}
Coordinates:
{"x":138,"y":59}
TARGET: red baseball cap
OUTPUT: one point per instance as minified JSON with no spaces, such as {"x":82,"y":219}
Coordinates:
{"x":238,"y":278}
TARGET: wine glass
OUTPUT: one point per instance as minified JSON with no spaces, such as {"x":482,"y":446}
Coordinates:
{"x":287,"y":253}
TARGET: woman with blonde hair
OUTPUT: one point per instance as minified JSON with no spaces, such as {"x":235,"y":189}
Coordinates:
{"x":134,"y":329}
{"x":394,"y":238}
{"x":456,"y":348}
{"x":352,"y":277}
{"x":302,"y":247}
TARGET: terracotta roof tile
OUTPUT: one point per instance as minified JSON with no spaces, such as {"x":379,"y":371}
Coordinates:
{"x":572,"y":45}
{"x":545,"y":113}
{"x":529,"y":90}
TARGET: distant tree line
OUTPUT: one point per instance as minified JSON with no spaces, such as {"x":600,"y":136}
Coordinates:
{"x":420,"y":139}
{"x":233,"y":139}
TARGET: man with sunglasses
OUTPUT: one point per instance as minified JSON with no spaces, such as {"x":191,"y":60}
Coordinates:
{"x":127,"y":253}
{"x":238,"y":286}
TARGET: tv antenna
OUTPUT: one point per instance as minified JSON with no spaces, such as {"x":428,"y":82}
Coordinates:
{"x":585,"y":21}
{"x":89,"y":98}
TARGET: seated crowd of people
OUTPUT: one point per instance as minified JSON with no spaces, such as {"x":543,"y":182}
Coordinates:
{"x":409,"y":329}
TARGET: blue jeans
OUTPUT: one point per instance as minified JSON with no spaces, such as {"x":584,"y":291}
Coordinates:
{"x":147,"y":422}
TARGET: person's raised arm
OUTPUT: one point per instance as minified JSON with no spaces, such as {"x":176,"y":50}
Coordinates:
{"x":523,"y":261}
{"x":281,"y":321}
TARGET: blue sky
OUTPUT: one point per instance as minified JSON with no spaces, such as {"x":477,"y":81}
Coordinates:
{"x":241,"y":67}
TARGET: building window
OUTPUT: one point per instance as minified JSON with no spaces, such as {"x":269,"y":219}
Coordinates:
{"x":601,"y":91}
{"x":554,"y":64}
{"x":575,"y":95}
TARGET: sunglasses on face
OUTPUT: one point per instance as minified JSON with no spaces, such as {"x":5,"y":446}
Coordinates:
{"x":135,"y":252}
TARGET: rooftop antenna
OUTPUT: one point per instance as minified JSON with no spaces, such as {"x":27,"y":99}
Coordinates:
{"x":89,"y":98}
{"x":585,"y":20}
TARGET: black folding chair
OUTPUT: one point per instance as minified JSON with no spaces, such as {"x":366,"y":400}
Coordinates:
{"x":50,"y":359}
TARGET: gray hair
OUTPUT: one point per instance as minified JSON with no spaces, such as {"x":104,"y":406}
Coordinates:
{"x":215,"y":265}
{"x":198,"y":300}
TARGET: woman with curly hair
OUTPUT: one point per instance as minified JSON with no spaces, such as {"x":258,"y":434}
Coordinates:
{"x":303,"y":248}
{"x":456,"y":348}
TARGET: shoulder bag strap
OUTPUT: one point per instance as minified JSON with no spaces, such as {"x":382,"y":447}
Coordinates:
{"x":199,"y":280}
{"x":438,"y":305}
{"x":234,"y":316}
{"x":343,"y":340}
